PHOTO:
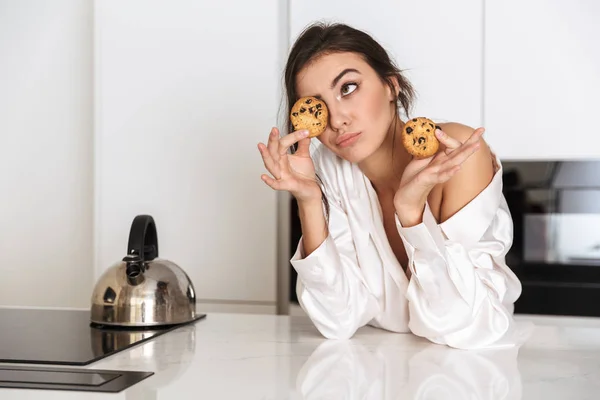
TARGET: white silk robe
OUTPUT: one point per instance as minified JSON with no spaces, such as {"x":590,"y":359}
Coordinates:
{"x":460,"y":293}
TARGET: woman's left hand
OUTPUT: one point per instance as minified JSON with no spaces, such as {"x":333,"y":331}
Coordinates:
{"x":422,"y":175}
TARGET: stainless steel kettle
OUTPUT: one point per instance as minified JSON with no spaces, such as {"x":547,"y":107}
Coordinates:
{"x":143,"y":290}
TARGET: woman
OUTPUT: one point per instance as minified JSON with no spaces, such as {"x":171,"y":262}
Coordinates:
{"x":390,"y":241}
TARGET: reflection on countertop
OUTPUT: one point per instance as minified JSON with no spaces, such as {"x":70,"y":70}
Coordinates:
{"x":353,"y":371}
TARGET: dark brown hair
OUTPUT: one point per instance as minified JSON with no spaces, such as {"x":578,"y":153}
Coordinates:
{"x":321,"y":39}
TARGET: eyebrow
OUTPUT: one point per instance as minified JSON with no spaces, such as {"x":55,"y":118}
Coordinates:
{"x":341,"y":74}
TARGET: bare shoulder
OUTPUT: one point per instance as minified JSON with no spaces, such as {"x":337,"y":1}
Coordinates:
{"x":475,"y":174}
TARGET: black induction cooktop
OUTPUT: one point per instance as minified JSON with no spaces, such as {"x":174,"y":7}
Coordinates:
{"x":65,"y":337}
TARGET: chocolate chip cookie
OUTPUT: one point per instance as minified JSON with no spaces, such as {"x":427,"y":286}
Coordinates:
{"x":418,"y":137}
{"x":311,"y":114}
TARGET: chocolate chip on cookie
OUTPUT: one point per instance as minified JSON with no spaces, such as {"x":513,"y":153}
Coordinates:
{"x":311,"y":114}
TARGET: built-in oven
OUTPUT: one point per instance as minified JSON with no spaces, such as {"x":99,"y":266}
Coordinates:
{"x":555,"y":206}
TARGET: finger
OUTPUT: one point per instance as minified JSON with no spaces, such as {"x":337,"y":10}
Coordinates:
{"x":303,"y":147}
{"x":450,"y":143}
{"x":268,"y":161}
{"x":440,"y":174}
{"x":288,"y":140}
{"x":274,"y":184}
{"x":448,"y":173}
{"x":273,"y":144}
{"x":284,"y":166}
{"x":466,"y":151}
{"x":443,"y":171}
{"x":475,"y":136}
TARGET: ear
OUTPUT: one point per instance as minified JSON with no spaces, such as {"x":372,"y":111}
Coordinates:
{"x":393,"y":95}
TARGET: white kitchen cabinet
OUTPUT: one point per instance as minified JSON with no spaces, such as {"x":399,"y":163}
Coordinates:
{"x":46,"y":167}
{"x":184,"y":91}
{"x":438,"y":43}
{"x":542,"y":78}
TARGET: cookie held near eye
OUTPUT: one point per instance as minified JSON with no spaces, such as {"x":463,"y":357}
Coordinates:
{"x":418,"y":137}
{"x":311,"y":114}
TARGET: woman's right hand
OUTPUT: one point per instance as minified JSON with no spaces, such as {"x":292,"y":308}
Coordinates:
{"x":294,"y":173}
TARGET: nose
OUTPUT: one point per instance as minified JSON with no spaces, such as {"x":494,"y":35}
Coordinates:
{"x":339,"y":116}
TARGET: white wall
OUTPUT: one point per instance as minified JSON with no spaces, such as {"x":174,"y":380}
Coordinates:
{"x":437,"y":42}
{"x":46,"y":152}
{"x":183,"y":94}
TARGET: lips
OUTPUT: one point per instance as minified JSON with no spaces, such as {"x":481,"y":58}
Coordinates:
{"x":346,"y":137}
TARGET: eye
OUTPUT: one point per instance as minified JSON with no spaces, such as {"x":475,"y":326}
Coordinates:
{"x":348,"y":88}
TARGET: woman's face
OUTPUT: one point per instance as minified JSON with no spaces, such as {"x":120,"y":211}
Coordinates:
{"x":361,"y":106}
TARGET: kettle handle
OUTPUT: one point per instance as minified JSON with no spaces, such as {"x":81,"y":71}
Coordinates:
{"x":143,"y":239}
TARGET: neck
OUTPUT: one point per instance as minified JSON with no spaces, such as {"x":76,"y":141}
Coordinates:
{"x":385,"y":166}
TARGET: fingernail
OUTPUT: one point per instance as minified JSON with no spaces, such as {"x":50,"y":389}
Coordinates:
{"x":304,"y":133}
{"x":439,"y":133}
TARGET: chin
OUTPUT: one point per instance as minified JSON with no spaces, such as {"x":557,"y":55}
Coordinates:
{"x":354,"y":154}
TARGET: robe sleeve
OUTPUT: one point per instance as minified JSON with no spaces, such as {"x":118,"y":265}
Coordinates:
{"x":461,"y":292}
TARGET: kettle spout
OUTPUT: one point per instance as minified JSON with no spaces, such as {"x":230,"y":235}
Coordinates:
{"x":134,"y":269}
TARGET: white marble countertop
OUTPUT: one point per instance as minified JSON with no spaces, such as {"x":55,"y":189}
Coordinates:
{"x":249,"y":356}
